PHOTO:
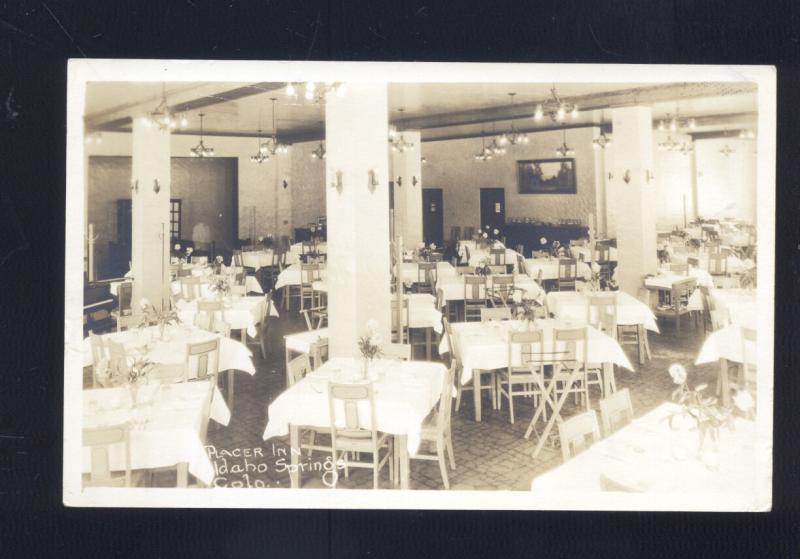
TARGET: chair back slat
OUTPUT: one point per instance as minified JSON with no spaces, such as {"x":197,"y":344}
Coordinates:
{"x":530,"y":348}
{"x":601,"y":312}
{"x":202,"y":359}
{"x":497,"y":256}
{"x":349,"y":396}
{"x":296,"y":369}
{"x":574,"y":431}
{"x":616,"y":410}
{"x":474,"y":288}
{"x":99,"y":442}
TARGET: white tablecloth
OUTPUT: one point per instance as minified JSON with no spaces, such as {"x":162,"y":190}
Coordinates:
{"x":735,"y":264}
{"x":573,"y":305}
{"x":291,"y":276}
{"x":422,"y":312}
{"x":405,"y":392}
{"x":665,"y":280}
{"x":263,"y":258}
{"x":739,"y":303}
{"x":725,"y":343}
{"x":242,"y":313}
{"x":484,"y":345}
{"x":165,"y":425}
{"x":549,"y":268}
{"x":300,"y":342}
{"x":649,"y":456}
{"x":233,"y":355}
{"x":250,"y":283}
{"x":453,"y":288}
{"x":410,"y":271}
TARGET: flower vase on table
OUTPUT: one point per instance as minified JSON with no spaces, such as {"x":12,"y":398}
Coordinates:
{"x":369,"y":346}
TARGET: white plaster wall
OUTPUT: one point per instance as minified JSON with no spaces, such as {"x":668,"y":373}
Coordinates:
{"x":726,"y":186}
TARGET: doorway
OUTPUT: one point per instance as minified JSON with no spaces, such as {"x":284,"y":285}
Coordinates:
{"x":432,"y":216}
{"x":493,"y":208}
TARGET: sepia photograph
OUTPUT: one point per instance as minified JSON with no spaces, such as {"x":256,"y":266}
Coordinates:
{"x":419,"y":285}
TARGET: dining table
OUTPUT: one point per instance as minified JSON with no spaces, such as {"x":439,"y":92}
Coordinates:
{"x":655,"y":456}
{"x":409,"y":272}
{"x":405,"y":393}
{"x":725,"y":346}
{"x":583,"y":253}
{"x":166,"y":424}
{"x":251,"y":285}
{"x":548,"y":266}
{"x":242,"y":313}
{"x":452,"y":288}
{"x":483,"y":346}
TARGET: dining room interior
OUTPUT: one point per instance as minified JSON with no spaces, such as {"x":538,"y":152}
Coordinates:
{"x":527,"y":286}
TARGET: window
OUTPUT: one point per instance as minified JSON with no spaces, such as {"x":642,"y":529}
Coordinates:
{"x":175,"y":219}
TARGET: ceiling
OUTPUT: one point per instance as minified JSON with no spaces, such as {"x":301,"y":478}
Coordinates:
{"x":440,"y":110}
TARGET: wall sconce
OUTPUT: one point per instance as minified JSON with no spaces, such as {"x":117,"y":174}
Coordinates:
{"x":372,"y":180}
{"x":337,"y":184}
{"x":627,"y":176}
{"x":414,"y":181}
{"x":156,"y":186}
{"x":610,"y":175}
{"x":135,"y":186}
{"x":649,"y":176}
{"x":285,"y":184}
{"x":399,"y":181}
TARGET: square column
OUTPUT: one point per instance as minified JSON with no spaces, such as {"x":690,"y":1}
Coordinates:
{"x":150,"y":213}
{"x":358,"y":270}
{"x":633,"y":202}
{"x":406,"y":171}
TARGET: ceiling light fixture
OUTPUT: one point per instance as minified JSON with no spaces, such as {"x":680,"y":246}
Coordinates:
{"x":485,"y":154}
{"x":399,"y":144}
{"x":564,"y":150}
{"x":675,"y":123}
{"x":161,"y":115}
{"x":319,"y":153}
{"x":271,"y":146}
{"x":94,"y":138}
{"x":316,"y":91}
{"x":602,"y":141}
{"x":200,"y":150}
{"x":513,"y":137}
{"x":555,"y":107}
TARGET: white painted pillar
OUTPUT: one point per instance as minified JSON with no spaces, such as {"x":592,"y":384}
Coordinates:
{"x":358,"y":270}
{"x":634,"y":196}
{"x":150,"y":213}
{"x":406,"y":171}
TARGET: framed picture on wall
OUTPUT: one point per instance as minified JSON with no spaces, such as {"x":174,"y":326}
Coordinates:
{"x":546,"y":176}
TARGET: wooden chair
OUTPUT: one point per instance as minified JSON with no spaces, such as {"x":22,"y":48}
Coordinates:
{"x":455,"y":233}
{"x":124,"y":303}
{"x":99,"y":442}
{"x":567,"y":274}
{"x":208,"y":314}
{"x":397,"y":351}
{"x":527,"y":378}
{"x":315,"y":317}
{"x":570,"y":361}
{"x":469,"y":232}
{"x":496,"y":313}
{"x":318,"y":353}
{"x":616,"y":411}
{"x":574,"y":431}
{"x":262,"y":337}
{"x":201,"y":361}
{"x":426,"y":277}
{"x":497,"y":256}
{"x":718,"y":267}
{"x":436,"y":430}
{"x":309,"y":273}
{"x":502,"y":290}
{"x":601,"y":313}
{"x":297,"y":369}
{"x":677,"y":299}
{"x":474,"y":297}
{"x":278,"y":263}
{"x":190,"y":287}
{"x":351,"y":433}
{"x":448,"y":310}
{"x":400,"y":320}
{"x":604,"y":260}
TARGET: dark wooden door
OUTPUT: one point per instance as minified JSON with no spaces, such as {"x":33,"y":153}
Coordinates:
{"x":493,"y":208}
{"x":432,"y":216}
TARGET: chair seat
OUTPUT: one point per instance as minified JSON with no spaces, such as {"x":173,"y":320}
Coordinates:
{"x":359,"y":445}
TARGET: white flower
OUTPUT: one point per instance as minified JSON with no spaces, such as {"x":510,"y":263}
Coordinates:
{"x":485,"y":235}
{"x":189,"y":250}
{"x":260,"y":239}
{"x":433,"y":246}
{"x":372,"y":326}
{"x":496,"y":232}
{"x":177,"y":246}
{"x":421,"y":245}
{"x":487,"y":227}
{"x":743,"y":400}
{"x":144,"y":302}
{"x":543,"y":241}
{"x":678,"y":373}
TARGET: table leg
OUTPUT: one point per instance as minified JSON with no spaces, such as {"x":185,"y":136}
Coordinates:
{"x":725,"y":384}
{"x":556,"y":413}
{"x":230,"y":389}
{"x":476,"y":393}
{"x":405,"y":462}
{"x":294,"y":450}
{"x":609,"y":382}
{"x":183,"y":474}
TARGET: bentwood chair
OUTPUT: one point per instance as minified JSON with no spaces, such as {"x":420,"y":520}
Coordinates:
{"x":436,"y":430}
{"x":574,"y":431}
{"x":100,"y":442}
{"x":567,"y":274}
{"x":616,"y":411}
{"x":354,"y":431}
{"x":474,"y":297}
{"x":527,"y":377}
{"x":426,"y":277}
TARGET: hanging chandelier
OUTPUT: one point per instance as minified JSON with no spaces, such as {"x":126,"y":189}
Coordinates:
{"x":602,"y":141}
{"x":485,"y":154}
{"x":200,"y":150}
{"x":398,"y":143}
{"x":676,"y":122}
{"x":746,"y":134}
{"x":319,"y":153}
{"x":261,"y":154}
{"x":316,"y":91}
{"x":555,"y":107}
{"x":564,"y":150}
{"x":162,"y":116}
{"x":513,"y":137}
{"x":670,"y":144}
{"x":271,"y":146}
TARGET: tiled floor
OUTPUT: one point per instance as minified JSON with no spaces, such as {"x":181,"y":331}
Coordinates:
{"x":491,"y":455}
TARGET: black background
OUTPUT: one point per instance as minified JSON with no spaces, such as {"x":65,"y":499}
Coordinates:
{"x":37,"y":38}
